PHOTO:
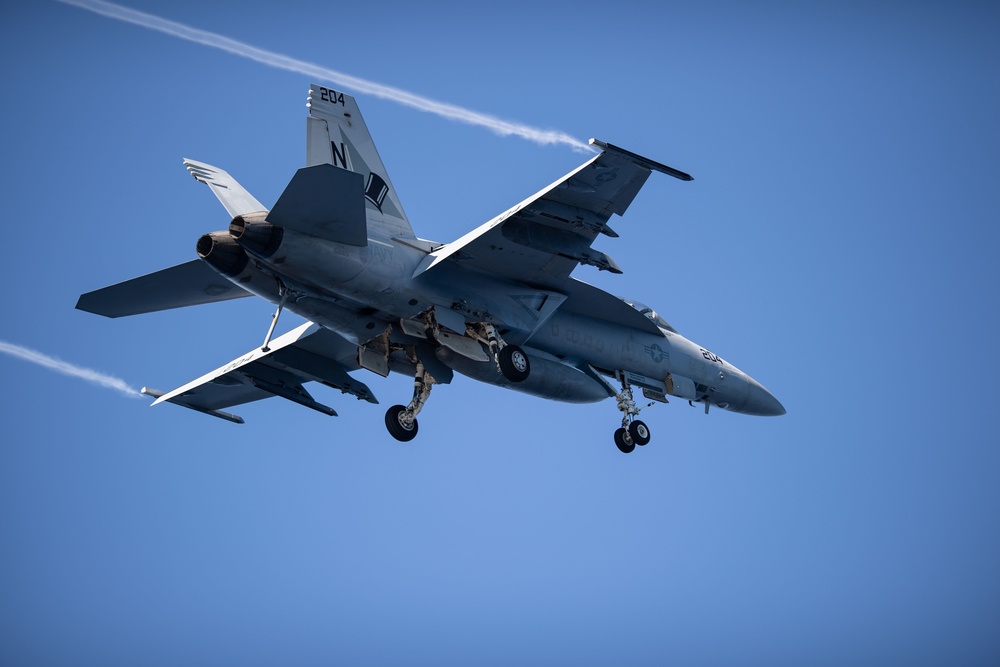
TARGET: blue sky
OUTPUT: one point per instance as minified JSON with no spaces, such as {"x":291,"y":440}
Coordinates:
{"x":838,"y":243}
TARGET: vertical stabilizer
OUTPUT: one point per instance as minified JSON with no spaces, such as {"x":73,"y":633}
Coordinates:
{"x":336,"y":134}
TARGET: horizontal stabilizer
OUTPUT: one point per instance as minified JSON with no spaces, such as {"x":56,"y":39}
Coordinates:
{"x":308,"y":353}
{"x":188,"y":284}
{"x":232,"y":195}
{"x":326,"y":202}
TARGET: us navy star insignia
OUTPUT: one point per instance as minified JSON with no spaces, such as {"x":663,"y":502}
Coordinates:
{"x":657,"y":353}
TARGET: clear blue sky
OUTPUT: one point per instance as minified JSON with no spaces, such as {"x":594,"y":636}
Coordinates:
{"x":839,"y":244}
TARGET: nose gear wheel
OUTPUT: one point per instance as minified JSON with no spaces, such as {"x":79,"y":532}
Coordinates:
{"x":632,"y":432}
{"x":623,"y":441}
{"x":639,"y":432}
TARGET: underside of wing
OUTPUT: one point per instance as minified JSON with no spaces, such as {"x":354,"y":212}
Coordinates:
{"x":541,"y":240}
{"x":308,"y":353}
{"x":189,"y":284}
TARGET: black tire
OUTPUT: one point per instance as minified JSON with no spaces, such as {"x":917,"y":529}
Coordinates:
{"x":514,"y":363}
{"x":625,"y":445}
{"x":639,"y":432}
{"x":396,"y":428}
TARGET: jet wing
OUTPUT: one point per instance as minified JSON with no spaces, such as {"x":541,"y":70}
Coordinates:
{"x":307,"y":353}
{"x":541,"y":240}
{"x":189,"y":284}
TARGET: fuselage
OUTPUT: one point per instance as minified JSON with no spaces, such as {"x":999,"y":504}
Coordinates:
{"x":358,"y":291}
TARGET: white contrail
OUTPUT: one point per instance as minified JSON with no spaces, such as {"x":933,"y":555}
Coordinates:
{"x":450,"y":111}
{"x":60,"y":366}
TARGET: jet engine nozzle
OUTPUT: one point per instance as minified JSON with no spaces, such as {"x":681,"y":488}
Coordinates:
{"x":222,"y":253}
{"x":253,"y":232}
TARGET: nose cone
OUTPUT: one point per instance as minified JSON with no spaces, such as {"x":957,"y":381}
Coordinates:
{"x":760,"y":401}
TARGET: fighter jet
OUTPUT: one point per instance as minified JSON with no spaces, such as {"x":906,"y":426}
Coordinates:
{"x":497,"y":305}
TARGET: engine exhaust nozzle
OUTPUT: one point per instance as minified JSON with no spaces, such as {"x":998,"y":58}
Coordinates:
{"x":256,"y":235}
{"x":222,"y":253}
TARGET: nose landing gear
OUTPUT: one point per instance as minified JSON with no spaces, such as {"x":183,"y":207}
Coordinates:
{"x":632,"y":432}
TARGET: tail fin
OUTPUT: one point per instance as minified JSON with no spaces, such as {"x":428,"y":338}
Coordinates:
{"x":336,"y":134}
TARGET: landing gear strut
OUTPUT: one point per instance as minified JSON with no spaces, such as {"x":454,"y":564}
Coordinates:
{"x":285,"y":295}
{"x":632,"y":432}
{"x":402,"y":420}
{"x":510,"y":359}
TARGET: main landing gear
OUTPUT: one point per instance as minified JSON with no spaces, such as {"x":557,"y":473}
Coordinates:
{"x":510,"y":359}
{"x":402,"y":420}
{"x":513,"y":363}
{"x":632,"y":432}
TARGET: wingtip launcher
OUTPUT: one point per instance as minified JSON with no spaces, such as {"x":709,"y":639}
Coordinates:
{"x":652,"y":165}
{"x":221,"y":414}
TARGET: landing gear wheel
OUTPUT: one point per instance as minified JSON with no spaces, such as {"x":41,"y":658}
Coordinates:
{"x":624,"y":443}
{"x":639,"y":432}
{"x":514,"y":363}
{"x":396,"y":428}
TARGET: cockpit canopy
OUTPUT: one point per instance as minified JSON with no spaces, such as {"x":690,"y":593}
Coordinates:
{"x":650,"y":314}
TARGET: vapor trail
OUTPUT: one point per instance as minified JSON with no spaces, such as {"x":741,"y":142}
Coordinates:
{"x":444,"y":109}
{"x":95,"y":377}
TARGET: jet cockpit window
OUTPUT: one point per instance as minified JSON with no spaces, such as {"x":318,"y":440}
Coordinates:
{"x":650,"y":314}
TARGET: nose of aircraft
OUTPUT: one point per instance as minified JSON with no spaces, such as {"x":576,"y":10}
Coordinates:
{"x":761,"y":402}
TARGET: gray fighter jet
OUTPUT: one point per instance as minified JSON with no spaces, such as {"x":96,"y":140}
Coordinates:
{"x":497,"y":305}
